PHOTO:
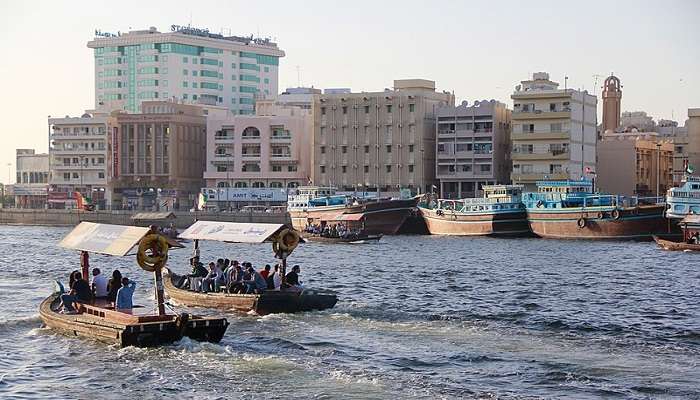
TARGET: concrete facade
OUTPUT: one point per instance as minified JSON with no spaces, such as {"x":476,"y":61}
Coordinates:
{"x":157,"y":157}
{"x":638,"y":120}
{"x":31,"y":187}
{"x":473,"y":148}
{"x":631,"y":164}
{"x":554,"y":132}
{"x":377,"y":141}
{"x":192,"y":65}
{"x":78,"y":159}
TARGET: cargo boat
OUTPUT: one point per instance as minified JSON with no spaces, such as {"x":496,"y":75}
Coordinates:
{"x":500,"y":212}
{"x":684,"y":200}
{"x":313,"y":204}
{"x":570,"y":210}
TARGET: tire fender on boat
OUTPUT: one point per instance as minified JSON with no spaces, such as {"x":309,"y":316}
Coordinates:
{"x":581,"y":222}
{"x":615,"y":214}
{"x":599,"y":215}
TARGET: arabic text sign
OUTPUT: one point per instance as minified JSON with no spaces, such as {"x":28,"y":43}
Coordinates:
{"x":114,"y":240}
{"x":261,"y":195}
{"x":230,"y":231}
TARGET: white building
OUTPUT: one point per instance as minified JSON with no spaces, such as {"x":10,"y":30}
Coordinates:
{"x":553,"y":134}
{"x":190,"y":64}
{"x":31,"y":189}
{"x":78,"y":159}
{"x":254,"y":159}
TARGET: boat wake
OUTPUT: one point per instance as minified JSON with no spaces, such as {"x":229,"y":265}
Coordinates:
{"x":32,"y":321}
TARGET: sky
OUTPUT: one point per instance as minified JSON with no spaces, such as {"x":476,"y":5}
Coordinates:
{"x":478,"y":50}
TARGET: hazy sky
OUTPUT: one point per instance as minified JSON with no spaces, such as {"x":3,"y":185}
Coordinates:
{"x":479,"y":50}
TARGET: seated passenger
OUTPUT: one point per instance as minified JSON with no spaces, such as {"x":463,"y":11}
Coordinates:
{"x":99,"y":284}
{"x":266,"y":271}
{"x":277,"y":278}
{"x":125,"y":295}
{"x":115,"y":282}
{"x":256,"y":283}
{"x":79,"y":293}
{"x":213,"y":280}
{"x":235,"y":279}
{"x":292,"y":280}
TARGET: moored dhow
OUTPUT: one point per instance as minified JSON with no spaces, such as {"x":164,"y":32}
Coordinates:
{"x":312,"y":204}
{"x":500,"y":212}
{"x":571,"y":210}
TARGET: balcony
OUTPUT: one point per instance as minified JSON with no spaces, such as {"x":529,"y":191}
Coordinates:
{"x":537,"y":176}
{"x":76,"y":167}
{"x":81,"y":150}
{"x":250,"y":155}
{"x":280,"y":138}
{"x":540,"y":114}
{"x":223,"y":138}
{"x":77,"y":136}
{"x":550,"y":155}
{"x":540,"y":135}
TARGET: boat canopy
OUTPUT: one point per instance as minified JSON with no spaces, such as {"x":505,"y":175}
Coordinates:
{"x":691,"y":220}
{"x":154,"y":216}
{"x":114,"y":240}
{"x":350,"y":217}
{"x":231,"y":232}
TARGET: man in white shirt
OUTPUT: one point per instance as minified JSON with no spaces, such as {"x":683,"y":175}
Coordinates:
{"x":99,"y":284}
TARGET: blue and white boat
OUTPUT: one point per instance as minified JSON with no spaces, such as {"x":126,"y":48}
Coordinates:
{"x":684,"y":200}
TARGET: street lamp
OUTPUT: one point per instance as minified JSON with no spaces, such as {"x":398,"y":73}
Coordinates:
{"x":658,"y":168}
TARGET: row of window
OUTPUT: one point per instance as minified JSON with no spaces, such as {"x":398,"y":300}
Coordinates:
{"x":344,"y":168}
{"x":389,"y":108}
{"x":75,"y":175}
{"x":445,"y":169}
{"x":252,"y":167}
{"x":185,"y":50}
{"x":344,"y":149}
{"x":273,"y":185}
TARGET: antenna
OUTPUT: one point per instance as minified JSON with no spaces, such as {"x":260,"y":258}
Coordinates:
{"x":298,"y":76}
{"x":595,"y":81}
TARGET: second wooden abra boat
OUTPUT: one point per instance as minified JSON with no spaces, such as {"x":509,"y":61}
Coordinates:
{"x":267,"y":302}
{"x":570,"y":210}
{"x":691,"y":236}
{"x":351,"y":239}
{"x":135,"y":326}
{"x":499,"y":213}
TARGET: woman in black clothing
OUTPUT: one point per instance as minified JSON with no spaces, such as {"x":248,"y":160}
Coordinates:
{"x":113,"y":285}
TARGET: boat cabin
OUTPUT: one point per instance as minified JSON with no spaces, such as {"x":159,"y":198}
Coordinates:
{"x":684,"y":200}
{"x":304,"y":194}
{"x":568,"y":194}
{"x":691,"y":228}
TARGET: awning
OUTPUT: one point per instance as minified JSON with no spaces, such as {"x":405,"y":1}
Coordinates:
{"x":691,"y":219}
{"x":154,"y":216}
{"x":115,"y":240}
{"x":350,"y":217}
{"x":232,"y":232}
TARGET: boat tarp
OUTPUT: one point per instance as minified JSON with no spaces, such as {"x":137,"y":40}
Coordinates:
{"x":154,"y":216}
{"x":350,"y":217}
{"x":232,"y":232}
{"x":115,"y":240}
{"x":691,"y":220}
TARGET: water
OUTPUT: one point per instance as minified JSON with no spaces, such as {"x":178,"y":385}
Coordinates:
{"x":418,"y":317}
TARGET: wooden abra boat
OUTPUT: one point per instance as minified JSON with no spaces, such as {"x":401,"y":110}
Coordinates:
{"x":570,"y":210}
{"x":270,"y":301}
{"x":499,"y":213}
{"x":126,"y":327}
{"x":354,"y":239}
{"x":676,"y":246}
{"x":691,"y":236}
{"x":115,"y":327}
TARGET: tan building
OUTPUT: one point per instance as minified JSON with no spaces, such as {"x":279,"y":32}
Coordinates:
{"x":377,"y":140}
{"x":157,"y":157}
{"x":687,"y":146}
{"x":632,"y":163}
{"x":31,"y":189}
{"x":473,"y":148}
{"x":612,"y":99}
{"x":554,"y":132}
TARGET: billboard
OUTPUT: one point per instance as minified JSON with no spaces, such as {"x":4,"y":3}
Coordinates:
{"x":254,"y":195}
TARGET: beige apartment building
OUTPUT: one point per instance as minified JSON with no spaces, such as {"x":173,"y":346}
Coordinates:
{"x":377,"y":141}
{"x":473,"y":148}
{"x":157,"y":157}
{"x":687,"y":146}
{"x":553,"y":132}
{"x":31,"y":187}
{"x":631,"y":164}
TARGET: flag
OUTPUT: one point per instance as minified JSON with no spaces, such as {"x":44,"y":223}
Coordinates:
{"x":690,"y":169}
{"x":201,"y":201}
{"x":590,"y":171}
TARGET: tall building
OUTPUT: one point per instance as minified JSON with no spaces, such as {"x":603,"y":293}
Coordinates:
{"x":631,"y":164}
{"x":259,"y":156}
{"x":638,"y":120}
{"x":157,"y":157}
{"x":189,"y":64}
{"x":554,"y":132}
{"x":473,"y":147}
{"x":31,"y":188}
{"x":687,"y":146}
{"x":612,"y":98}
{"x":78,"y":160}
{"x":377,"y":140}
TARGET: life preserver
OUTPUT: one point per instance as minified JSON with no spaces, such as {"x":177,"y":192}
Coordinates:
{"x":615,"y":214}
{"x":599,"y":215}
{"x":159,"y":245}
{"x":581,"y":223}
{"x":139,"y":192}
{"x":285,"y":242}
{"x":539,"y":203}
{"x":439,"y":212}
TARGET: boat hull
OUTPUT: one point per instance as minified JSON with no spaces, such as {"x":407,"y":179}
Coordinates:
{"x":270,"y":302}
{"x":380,"y":217}
{"x":143,"y":334}
{"x":676,"y":246}
{"x":634,"y":223}
{"x":476,"y":224}
{"x":330,"y":240}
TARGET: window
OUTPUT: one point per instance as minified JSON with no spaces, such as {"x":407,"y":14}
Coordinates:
{"x":366,"y":109}
{"x":388,"y":109}
{"x":184,"y":72}
{"x":388,"y":168}
{"x":101,"y":175}
{"x":343,"y":149}
{"x":258,"y":184}
{"x":411,"y":108}
{"x":344,"y":169}
{"x":323,"y":169}
{"x":185,"y":60}
{"x":366,"y":169}
{"x":466,"y":168}
{"x":345,"y":110}
{"x":276,"y":168}
{"x":66,"y":176}
{"x":75,"y":175}
{"x":555,"y":127}
{"x":528,"y":128}
{"x":485,"y":167}
{"x":276,"y":185}
{"x":552,"y":107}
{"x":323,"y":149}
{"x":240,"y":184}
{"x":366,"y":149}
{"x":410,"y":168}
{"x":323,"y":110}
{"x":410,"y":148}
{"x":292,"y":168}
{"x":388,"y":148}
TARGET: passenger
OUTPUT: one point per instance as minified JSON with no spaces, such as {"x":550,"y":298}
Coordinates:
{"x":265,"y":272}
{"x":114,"y":284}
{"x":292,"y":280}
{"x":277,"y":278}
{"x":79,"y":293}
{"x":99,"y":284}
{"x":235,"y":279}
{"x":71,"y":278}
{"x":208,"y":281}
{"x":198,"y":272}
{"x":125,"y":295}
{"x":256,"y":283}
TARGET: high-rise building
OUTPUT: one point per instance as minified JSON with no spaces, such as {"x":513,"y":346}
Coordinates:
{"x":612,"y":98}
{"x":157,"y":157}
{"x":31,"y":188}
{"x":473,"y":147}
{"x":78,"y":159}
{"x":381,"y":141}
{"x":554,"y":132}
{"x":192,"y":65}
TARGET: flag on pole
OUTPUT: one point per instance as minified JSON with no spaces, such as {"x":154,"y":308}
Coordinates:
{"x":201,"y":201}
{"x":590,"y":171}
